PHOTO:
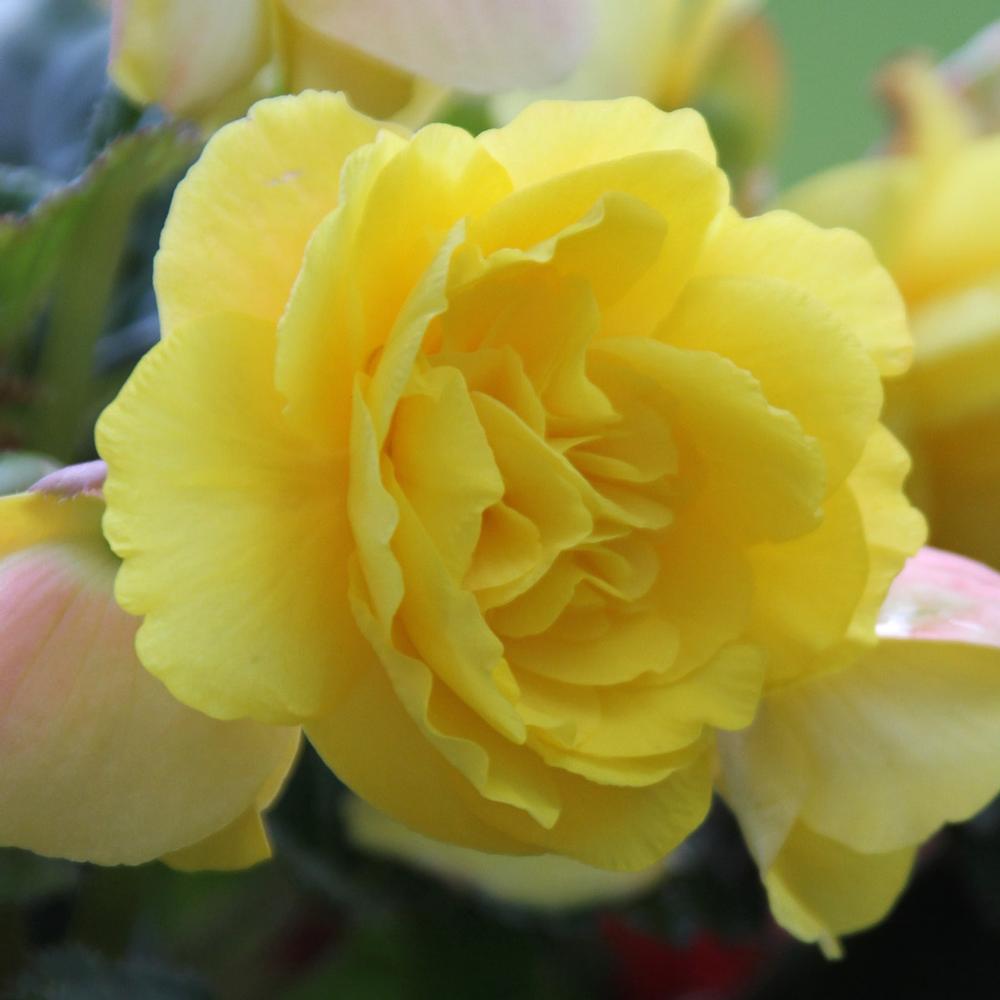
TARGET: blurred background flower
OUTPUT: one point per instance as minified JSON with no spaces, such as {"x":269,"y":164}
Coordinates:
{"x":393,"y":59}
{"x":930,"y":205}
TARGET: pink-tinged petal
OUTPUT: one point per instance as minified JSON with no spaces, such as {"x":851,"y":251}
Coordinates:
{"x":99,"y":762}
{"x":86,"y":479}
{"x":481,"y":46}
{"x":945,"y":597}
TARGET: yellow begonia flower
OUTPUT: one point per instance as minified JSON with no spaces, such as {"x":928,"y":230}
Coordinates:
{"x":394,"y":58}
{"x":100,"y":762}
{"x":932,"y":212}
{"x":503,"y":464}
{"x":844,"y":774}
{"x":547,"y":882}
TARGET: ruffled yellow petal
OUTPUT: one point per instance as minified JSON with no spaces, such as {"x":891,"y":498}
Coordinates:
{"x":100,"y":762}
{"x":833,"y":265}
{"x":799,"y":615}
{"x":810,"y":621}
{"x":238,"y":520}
{"x":894,"y":528}
{"x":241,"y":219}
{"x":364,"y":263}
{"x":684,"y":189}
{"x":810,"y":363}
{"x":757,"y":463}
{"x":555,"y":138}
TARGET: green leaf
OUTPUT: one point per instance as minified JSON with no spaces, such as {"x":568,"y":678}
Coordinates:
{"x":32,"y":246}
{"x":62,"y":258}
{"x":22,"y":187}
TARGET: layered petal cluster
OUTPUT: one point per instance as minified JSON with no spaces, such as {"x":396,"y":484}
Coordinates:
{"x":393,"y":58}
{"x":504,"y":465}
{"x":843,"y":775}
{"x":100,"y":762}
{"x":932,"y":212}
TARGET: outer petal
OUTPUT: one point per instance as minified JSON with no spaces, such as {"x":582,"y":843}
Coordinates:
{"x":557,"y":137}
{"x":477,"y":45}
{"x":185,"y":54}
{"x":241,"y":219}
{"x":819,"y":889}
{"x":100,"y":762}
{"x":833,"y":265}
{"x":878,"y":755}
{"x":235,"y":547}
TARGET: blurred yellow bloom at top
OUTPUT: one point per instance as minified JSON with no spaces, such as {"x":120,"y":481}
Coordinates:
{"x":932,"y":212}
{"x":394,"y":59}
{"x":717,"y":55}
{"x":512,"y":467}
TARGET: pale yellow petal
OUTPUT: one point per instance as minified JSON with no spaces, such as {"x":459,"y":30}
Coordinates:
{"x":480,"y":46}
{"x":184,"y":54}
{"x":877,"y":755}
{"x":820,"y":889}
{"x":100,"y":762}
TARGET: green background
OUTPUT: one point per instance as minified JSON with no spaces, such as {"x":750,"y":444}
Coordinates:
{"x":834,"y":47}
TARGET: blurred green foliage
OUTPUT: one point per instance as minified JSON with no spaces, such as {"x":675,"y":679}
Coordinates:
{"x":833,"y":50}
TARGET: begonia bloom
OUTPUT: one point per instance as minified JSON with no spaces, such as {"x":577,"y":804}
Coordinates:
{"x":511,"y":467}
